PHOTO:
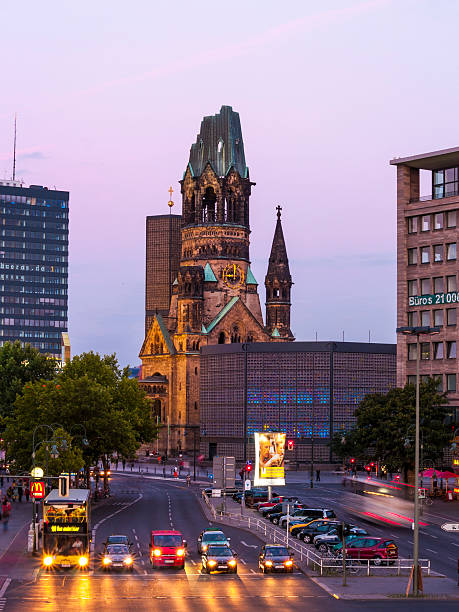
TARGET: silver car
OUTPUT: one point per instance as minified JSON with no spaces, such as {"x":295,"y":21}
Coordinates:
{"x":117,"y":556}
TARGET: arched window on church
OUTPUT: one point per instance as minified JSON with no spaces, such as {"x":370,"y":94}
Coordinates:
{"x":284,"y":294}
{"x":235,"y":337}
{"x":250,"y":338}
{"x":221,"y":338}
{"x":209,"y":202}
{"x":275,"y":292}
{"x":157,"y":410}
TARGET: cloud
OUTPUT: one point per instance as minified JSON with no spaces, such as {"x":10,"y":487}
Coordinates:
{"x":32,"y":155}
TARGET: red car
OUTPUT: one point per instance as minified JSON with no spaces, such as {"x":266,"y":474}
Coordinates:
{"x":379,"y":550}
{"x":167,"y":549}
{"x":274,"y":501}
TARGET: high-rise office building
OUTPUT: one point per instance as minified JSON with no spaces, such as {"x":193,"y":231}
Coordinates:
{"x":163,"y":244}
{"x":33,"y":266}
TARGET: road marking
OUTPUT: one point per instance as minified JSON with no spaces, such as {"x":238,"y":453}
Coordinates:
{"x":140,"y":553}
{"x":133,"y":530}
{"x":5,"y":585}
{"x":136,"y":537}
{"x":193,"y":561}
{"x":430,"y":550}
{"x":249,"y":545}
{"x":454,"y":544}
{"x":242,"y":561}
{"x":432,"y":536}
{"x":253,"y":571}
{"x":452,"y":559}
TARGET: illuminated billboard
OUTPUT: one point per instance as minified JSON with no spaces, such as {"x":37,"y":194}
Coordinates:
{"x":269,"y":459}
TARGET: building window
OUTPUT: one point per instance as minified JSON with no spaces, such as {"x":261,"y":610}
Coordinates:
{"x":425,"y":220}
{"x":425,"y":350}
{"x":451,"y":350}
{"x":439,"y":285}
{"x":196,"y":405}
{"x":451,"y":218}
{"x":425,"y":318}
{"x":451,"y":283}
{"x":196,"y":371}
{"x":412,"y":256}
{"x":412,"y":352}
{"x":451,"y":382}
{"x":438,"y":252}
{"x":438,"y":350}
{"x":445,"y":182}
{"x":411,"y":380}
{"x":438,"y":221}
{"x":439,"y":379}
{"x":438,"y":317}
{"x":451,"y":251}
{"x":450,"y":316}
{"x":412,"y":319}
{"x":425,"y":286}
{"x":425,"y":254}
{"x":412,"y":225}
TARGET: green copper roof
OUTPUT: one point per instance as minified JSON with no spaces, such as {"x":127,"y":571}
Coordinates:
{"x":165,"y":333}
{"x":222,"y":313}
{"x":203,"y":329}
{"x":251,"y":280}
{"x":209,"y":275}
{"x":275,"y":333}
{"x":219,"y":143}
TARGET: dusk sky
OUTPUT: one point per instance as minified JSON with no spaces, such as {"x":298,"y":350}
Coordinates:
{"x":110,"y":96}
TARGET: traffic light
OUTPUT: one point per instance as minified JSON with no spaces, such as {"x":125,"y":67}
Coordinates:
{"x":342,"y":530}
{"x":368,"y":468}
{"x":290,"y":445}
{"x":352,"y":460}
{"x":248,"y":467}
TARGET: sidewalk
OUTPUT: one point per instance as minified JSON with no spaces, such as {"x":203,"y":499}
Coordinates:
{"x":21,"y":515}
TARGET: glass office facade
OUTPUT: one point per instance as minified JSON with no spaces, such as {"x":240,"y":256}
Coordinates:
{"x":33,"y":266}
{"x":309,"y":390}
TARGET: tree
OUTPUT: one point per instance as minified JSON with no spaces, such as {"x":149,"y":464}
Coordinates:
{"x":91,"y":398}
{"x":19,"y":365}
{"x":59,"y":455}
{"x":385,"y":427}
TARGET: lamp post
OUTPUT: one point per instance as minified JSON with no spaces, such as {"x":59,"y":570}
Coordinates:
{"x":417,"y":331}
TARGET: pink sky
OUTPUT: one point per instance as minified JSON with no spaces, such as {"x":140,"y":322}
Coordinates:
{"x":109,"y":103}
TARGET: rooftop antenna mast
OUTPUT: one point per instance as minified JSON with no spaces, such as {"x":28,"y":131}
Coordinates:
{"x":14,"y":149}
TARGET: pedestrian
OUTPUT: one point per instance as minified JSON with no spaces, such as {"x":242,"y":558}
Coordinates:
{"x":6,"y":508}
{"x":124,"y":464}
{"x":20,"y":492}
{"x":317,"y":475}
{"x":27,"y":493}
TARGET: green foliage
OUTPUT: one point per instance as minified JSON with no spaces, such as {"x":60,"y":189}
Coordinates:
{"x":69,"y":457}
{"x":19,"y":365}
{"x":91,"y":391}
{"x":385,"y":427}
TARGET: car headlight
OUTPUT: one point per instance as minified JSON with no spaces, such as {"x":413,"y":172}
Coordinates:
{"x":48,"y":561}
{"x":288,"y":563}
{"x":106,"y":561}
{"x":204,"y":547}
{"x":180,"y":552}
{"x":232,"y":563}
{"x":83,"y":561}
{"x":157,"y":552}
{"x":211,"y":563}
{"x":128,"y":560}
{"x":268,"y":563}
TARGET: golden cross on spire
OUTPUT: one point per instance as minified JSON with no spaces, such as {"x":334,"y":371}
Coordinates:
{"x":171,"y":191}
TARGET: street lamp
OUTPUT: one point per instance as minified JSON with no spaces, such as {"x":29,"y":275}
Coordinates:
{"x":417,"y":331}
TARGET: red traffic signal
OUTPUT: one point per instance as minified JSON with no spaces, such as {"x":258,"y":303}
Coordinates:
{"x":290,"y":444}
{"x":372,"y":464}
{"x":352,"y":460}
{"x":368,"y":468}
{"x":248,"y":467}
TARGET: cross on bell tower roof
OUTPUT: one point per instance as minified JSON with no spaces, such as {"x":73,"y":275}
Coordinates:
{"x":279,"y":209}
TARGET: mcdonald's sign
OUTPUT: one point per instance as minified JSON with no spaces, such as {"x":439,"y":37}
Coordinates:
{"x":37,"y":489}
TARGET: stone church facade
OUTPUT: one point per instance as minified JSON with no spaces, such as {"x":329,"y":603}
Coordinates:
{"x":214,"y":296}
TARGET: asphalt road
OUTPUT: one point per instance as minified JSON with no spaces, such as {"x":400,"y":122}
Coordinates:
{"x":139,"y":505}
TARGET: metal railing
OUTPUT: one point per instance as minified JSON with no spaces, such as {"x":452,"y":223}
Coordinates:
{"x":308,"y":555}
{"x":432,"y":196}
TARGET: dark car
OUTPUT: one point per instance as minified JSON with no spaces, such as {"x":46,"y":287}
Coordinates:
{"x":275,"y":558}
{"x":261,"y":506}
{"x":118,"y":539}
{"x":257,"y":495}
{"x":378,"y":550}
{"x":218,"y":559}
{"x":307,"y":533}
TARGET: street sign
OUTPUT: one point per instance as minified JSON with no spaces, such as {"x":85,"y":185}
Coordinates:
{"x":216,"y":492}
{"x":37,"y":489}
{"x":450,"y":527}
{"x":247,"y":485}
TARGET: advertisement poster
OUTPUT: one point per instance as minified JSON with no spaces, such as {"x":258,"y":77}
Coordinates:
{"x":269,"y":459}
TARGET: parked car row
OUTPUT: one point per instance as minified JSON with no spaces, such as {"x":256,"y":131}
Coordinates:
{"x":320,"y":527}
